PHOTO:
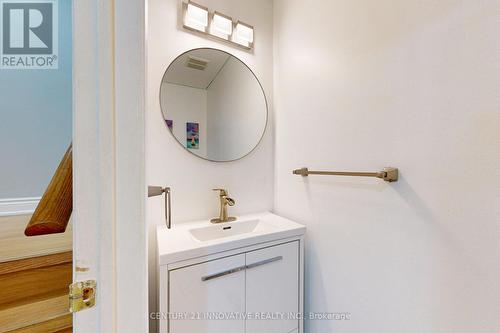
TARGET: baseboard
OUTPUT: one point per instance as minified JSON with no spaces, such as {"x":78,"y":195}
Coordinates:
{"x":18,"y":206}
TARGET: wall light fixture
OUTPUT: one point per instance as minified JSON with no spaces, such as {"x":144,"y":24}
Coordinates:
{"x":243,"y":34}
{"x":221,"y":25}
{"x":196,"y":17}
{"x":200,"y":19}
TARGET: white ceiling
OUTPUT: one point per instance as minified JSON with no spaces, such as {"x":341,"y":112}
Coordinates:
{"x":179,"y":73}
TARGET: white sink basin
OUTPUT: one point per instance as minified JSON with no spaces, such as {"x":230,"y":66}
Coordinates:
{"x":202,"y":238}
{"x":222,"y":230}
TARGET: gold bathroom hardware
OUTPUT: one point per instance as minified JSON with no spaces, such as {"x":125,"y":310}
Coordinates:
{"x":387,"y":174}
{"x":224,"y":202}
{"x":154,"y":191}
{"x":82,"y":295}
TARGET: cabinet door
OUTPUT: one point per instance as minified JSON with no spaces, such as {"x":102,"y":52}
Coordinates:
{"x":272,"y":288}
{"x":214,"y":287}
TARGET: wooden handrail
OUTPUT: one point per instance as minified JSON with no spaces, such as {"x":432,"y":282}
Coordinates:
{"x":54,"y":210}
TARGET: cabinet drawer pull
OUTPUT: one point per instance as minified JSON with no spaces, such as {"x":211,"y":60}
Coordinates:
{"x":241,"y":268}
{"x":263,"y":262}
{"x":217,"y":275}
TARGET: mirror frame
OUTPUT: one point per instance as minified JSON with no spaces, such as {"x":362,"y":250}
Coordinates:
{"x":260,"y":85}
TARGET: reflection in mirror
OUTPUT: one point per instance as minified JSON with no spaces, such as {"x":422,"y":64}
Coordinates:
{"x":213,"y":104}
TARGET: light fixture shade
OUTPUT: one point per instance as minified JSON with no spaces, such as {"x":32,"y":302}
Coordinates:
{"x":243,"y":34}
{"x":221,"y":25}
{"x":196,"y":17}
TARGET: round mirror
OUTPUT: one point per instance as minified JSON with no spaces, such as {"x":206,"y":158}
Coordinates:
{"x":213,"y":104}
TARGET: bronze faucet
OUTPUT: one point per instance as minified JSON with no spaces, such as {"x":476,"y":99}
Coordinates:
{"x":224,"y":202}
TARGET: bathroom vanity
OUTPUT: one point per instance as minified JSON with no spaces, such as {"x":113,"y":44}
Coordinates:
{"x":244,"y":276}
{"x":235,"y":275}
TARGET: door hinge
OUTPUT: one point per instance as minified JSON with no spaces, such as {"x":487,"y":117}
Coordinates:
{"x":82,"y":295}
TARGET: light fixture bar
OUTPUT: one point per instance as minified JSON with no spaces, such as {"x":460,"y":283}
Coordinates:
{"x":199,"y":19}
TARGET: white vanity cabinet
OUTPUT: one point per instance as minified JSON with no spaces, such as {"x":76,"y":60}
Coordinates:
{"x":244,"y":276}
{"x":256,"y":289}
{"x":208,"y":288}
{"x":272,"y":287}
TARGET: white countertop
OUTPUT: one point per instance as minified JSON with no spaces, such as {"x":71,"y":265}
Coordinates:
{"x":178,"y":243}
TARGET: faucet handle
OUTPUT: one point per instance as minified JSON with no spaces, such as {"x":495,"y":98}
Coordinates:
{"x":221,"y":191}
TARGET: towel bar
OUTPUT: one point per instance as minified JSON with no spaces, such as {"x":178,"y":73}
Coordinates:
{"x":388,"y":174}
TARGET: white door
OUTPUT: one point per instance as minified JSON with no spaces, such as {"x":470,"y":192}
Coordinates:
{"x":215,"y":288}
{"x":109,"y":233}
{"x":272,"y":288}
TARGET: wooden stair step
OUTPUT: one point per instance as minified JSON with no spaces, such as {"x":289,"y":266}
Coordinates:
{"x":62,"y":324}
{"x":35,"y":262}
{"x":29,"y":278}
{"x":25,"y":315}
{"x":14,"y":245}
{"x":34,"y":294}
{"x":67,"y":330}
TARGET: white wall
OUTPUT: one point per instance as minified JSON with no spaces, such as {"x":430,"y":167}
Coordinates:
{"x":249,"y":181}
{"x":236,"y":112}
{"x":360,"y":85}
{"x":35,"y":119}
{"x":184,"y":104}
